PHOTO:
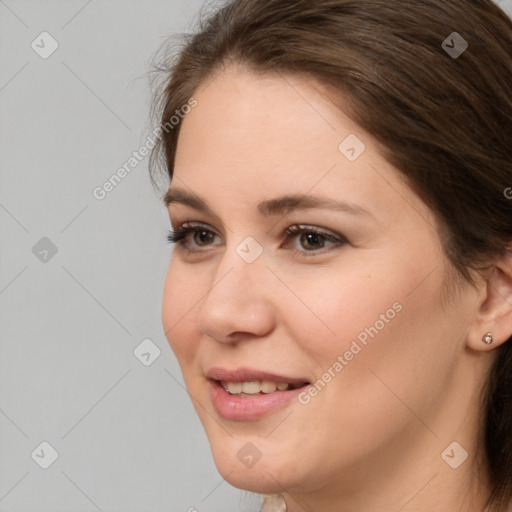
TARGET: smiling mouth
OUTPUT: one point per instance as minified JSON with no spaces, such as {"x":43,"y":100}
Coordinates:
{"x":254,"y":388}
{"x":241,"y":396}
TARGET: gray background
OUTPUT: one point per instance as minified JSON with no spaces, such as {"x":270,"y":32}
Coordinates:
{"x":126,"y":434}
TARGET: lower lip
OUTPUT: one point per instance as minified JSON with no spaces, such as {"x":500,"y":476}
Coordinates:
{"x":236,"y":408}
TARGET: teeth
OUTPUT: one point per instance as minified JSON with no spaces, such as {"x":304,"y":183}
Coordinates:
{"x":254,"y":387}
{"x":234,"y":387}
{"x":267,"y":386}
{"x":251,"y":388}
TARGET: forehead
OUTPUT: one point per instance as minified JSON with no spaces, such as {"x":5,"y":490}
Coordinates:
{"x":254,"y":137}
{"x":277,"y":126}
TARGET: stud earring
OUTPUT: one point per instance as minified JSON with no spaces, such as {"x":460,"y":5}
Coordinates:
{"x":487,"y":338}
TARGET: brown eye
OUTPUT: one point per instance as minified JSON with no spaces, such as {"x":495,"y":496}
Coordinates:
{"x":202,"y":236}
{"x":314,"y":239}
{"x":311,"y":240}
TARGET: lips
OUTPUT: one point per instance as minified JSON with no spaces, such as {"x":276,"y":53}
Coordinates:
{"x":247,"y":407}
{"x":249,"y":375}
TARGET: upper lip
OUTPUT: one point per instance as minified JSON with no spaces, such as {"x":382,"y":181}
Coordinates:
{"x":250,"y":374}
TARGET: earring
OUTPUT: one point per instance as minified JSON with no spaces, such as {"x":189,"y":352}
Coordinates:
{"x":487,"y":338}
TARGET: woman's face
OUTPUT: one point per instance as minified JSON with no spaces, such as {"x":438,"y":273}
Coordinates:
{"x":353,"y":310}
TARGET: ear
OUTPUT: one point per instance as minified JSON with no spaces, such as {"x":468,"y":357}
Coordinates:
{"x":495,"y":306}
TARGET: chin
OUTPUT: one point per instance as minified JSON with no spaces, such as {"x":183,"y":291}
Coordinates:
{"x":260,"y":481}
{"x":262,"y":475}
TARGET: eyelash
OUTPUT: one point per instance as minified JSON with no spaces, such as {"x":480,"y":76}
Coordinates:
{"x":178,"y":237}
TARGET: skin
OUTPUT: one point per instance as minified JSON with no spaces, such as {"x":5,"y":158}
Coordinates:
{"x":372,"y":438}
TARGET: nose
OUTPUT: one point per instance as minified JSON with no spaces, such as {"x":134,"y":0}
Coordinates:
{"x":238,"y":302}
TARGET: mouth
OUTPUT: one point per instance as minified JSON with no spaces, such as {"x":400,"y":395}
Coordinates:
{"x":243,"y":395}
{"x":252,"y":388}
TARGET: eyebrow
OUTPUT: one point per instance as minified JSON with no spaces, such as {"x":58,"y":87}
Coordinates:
{"x":270,"y":207}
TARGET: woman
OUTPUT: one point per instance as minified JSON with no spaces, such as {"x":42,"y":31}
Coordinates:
{"x":339,"y":297}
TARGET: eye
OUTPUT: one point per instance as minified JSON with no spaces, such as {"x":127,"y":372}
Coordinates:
{"x":179,"y":237}
{"x":311,"y":238}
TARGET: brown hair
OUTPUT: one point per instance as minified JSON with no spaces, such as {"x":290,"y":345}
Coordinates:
{"x":443,"y":120}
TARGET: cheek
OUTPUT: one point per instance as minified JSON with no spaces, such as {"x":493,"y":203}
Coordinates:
{"x":399,"y":367}
{"x":177,"y":311}
{"x":329,"y":309}
{"x":375,"y":318}
{"x":395,"y":356}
